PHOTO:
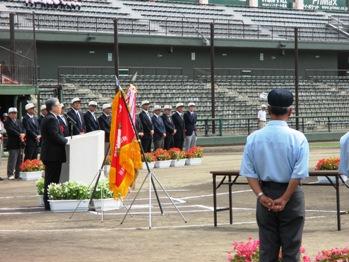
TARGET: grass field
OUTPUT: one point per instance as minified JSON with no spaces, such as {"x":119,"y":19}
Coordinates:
{"x":27,"y":233}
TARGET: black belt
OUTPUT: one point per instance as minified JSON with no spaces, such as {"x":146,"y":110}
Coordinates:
{"x":271,"y":184}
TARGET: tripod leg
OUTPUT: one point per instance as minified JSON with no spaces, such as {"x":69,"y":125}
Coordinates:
{"x":169,"y":197}
{"x":156,"y":194}
{"x":134,"y":199}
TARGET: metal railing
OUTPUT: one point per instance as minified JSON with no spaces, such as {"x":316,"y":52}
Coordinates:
{"x":245,"y":126}
{"x":177,"y":27}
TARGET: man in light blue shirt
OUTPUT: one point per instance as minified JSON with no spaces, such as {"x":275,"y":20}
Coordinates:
{"x":344,"y":156}
{"x":275,"y":160}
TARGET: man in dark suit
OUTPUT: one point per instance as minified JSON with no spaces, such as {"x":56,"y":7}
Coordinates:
{"x":104,"y":122}
{"x":77,"y":116}
{"x":138,"y":124}
{"x":63,"y":123}
{"x":15,"y":143}
{"x":178,"y":121}
{"x":53,"y":146}
{"x":170,"y":128}
{"x":190,"y":119}
{"x":159,"y":128}
{"x":43,"y":113}
{"x":32,"y":132}
{"x":148,"y":129}
{"x":90,"y":118}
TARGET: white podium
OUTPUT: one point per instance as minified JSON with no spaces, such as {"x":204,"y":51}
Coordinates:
{"x":85,"y":155}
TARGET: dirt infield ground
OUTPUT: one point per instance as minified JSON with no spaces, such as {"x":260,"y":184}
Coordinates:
{"x":27,"y":233}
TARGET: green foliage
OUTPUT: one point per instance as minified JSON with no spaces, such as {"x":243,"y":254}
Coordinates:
{"x":102,"y":190}
{"x":68,"y":190}
{"x":40,"y":186}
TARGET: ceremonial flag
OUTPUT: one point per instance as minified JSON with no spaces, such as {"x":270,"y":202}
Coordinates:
{"x":125,"y":153}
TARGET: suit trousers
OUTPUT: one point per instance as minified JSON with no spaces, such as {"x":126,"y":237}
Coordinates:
{"x":146,"y":143}
{"x":190,"y":141}
{"x":168,"y":143}
{"x":281,"y":230}
{"x":158,"y":142}
{"x":52,"y":175}
{"x":31,"y":152}
{"x":14,"y":161}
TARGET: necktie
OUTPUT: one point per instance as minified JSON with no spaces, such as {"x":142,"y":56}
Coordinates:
{"x":78,"y":115}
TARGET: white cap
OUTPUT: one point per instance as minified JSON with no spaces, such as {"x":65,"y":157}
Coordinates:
{"x":167,"y":107}
{"x":156,"y":107}
{"x":263,"y":106}
{"x":75,"y":99}
{"x":62,"y":105}
{"x":29,"y":106}
{"x":4,"y":114}
{"x":179,"y":105}
{"x":105,"y":106}
{"x":145,"y":102}
{"x":191,"y":104}
{"x":12,"y":110}
{"x":92,"y":103}
{"x":43,"y":107}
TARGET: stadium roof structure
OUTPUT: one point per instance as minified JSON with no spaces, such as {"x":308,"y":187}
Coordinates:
{"x":160,"y":23}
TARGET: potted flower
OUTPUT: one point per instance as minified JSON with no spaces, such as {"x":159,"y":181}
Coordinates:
{"x":178,"y":157}
{"x":331,"y":163}
{"x":334,"y":254}
{"x":31,"y":169}
{"x":103,"y":198}
{"x":150,"y":158}
{"x":68,"y":196}
{"x":194,"y":156}
{"x":163,"y":158}
{"x":40,"y":186}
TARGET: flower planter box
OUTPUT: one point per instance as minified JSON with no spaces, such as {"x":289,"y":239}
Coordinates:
{"x":178,"y":163}
{"x":163,"y":164}
{"x":68,"y":205}
{"x":41,"y":200}
{"x":324,"y":180}
{"x":35,"y":175}
{"x":106,"y":170}
{"x":151,"y":165}
{"x":107,"y":204}
{"x":193,"y":161}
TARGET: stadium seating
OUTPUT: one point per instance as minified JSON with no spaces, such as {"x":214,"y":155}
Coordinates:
{"x":185,"y":20}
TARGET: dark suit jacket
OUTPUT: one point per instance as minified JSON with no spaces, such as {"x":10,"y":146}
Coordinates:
{"x":139,"y":126}
{"x":190,"y":123}
{"x":32,"y":130}
{"x":146,"y":123}
{"x":53,"y":141}
{"x":64,"y":126}
{"x":40,"y":118}
{"x":13,"y":130}
{"x":90,"y":122}
{"x":168,"y":124}
{"x":80,"y":124}
{"x":179,"y":124}
{"x":159,"y":127}
{"x":104,"y":124}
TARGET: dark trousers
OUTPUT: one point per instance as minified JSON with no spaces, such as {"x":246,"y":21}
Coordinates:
{"x":14,"y":161}
{"x":146,"y":143}
{"x":168,"y":142}
{"x":158,"y":142}
{"x":31,"y":152}
{"x":281,"y":230}
{"x":178,"y":142}
{"x":52,"y":174}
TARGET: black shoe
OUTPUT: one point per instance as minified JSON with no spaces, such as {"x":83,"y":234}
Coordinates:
{"x":1,"y":179}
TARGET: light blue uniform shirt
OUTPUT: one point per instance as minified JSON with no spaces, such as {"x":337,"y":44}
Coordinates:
{"x":276,"y":153}
{"x":344,"y":156}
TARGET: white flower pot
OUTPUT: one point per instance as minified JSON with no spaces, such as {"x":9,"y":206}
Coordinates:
{"x":151,"y":165}
{"x":34,"y":175}
{"x":324,"y":180}
{"x":106,"y":170}
{"x":178,"y":163}
{"x":193,"y":161}
{"x":163,"y":164}
{"x":107,"y":204}
{"x":41,"y":200}
{"x":69,"y":205}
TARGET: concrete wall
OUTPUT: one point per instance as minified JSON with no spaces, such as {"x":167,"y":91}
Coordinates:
{"x":50,"y":56}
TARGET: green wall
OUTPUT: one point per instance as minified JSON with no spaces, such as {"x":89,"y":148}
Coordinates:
{"x":50,"y":56}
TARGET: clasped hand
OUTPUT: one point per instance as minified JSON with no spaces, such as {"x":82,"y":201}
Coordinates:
{"x":276,"y":205}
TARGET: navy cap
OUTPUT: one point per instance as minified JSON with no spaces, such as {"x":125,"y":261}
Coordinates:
{"x":280,"y":97}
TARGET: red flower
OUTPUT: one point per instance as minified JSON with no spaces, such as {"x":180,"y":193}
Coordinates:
{"x":31,"y":165}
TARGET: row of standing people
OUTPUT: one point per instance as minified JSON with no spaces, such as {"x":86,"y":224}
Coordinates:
{"x":165,"y":129}
{"x":26,"y":133}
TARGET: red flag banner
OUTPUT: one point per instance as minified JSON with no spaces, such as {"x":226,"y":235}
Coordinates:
{"x":125,"y":153}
